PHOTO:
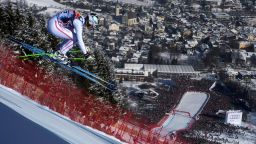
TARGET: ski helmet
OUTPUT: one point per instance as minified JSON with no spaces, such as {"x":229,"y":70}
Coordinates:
{"x":91,"y":21}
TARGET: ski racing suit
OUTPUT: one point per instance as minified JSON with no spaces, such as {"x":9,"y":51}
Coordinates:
{"x":68,"y":25}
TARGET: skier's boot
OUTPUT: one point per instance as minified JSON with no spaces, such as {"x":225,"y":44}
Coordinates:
{"x":61,"y":57}
{"x":89,"y":58}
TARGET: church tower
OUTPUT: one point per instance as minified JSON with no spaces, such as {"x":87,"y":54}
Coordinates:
{"x":118,"y":9}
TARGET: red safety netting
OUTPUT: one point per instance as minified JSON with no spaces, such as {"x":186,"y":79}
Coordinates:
{"x":66,"y":98}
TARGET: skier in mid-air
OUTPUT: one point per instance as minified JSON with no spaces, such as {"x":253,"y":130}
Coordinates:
{"x":68,"y":25}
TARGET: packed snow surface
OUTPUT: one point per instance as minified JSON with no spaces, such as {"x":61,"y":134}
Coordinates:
{"x":184,"y":114}
{"x":63,"y":127}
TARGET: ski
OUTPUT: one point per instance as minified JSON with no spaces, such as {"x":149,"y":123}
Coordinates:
{"x":77,"y":59}
{"x":50,"y":54}
{"x":76,"y":69}
{"x":109,"y":84}
{"x":74,"y":51}
{"x":29,"y":56}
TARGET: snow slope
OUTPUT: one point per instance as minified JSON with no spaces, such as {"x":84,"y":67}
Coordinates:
{"x":52,"y":6}
{"x":42,"y":3}
{"x":63,"y":127}
{"x":184,"y":114}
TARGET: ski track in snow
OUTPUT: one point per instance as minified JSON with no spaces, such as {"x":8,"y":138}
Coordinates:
{"x":62,"y":126}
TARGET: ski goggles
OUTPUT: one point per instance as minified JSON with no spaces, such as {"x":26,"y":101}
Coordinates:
{"x":92,"y":21}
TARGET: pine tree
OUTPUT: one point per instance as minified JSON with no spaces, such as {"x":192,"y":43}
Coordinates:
{"x":18,"y":15}
{"x":150,"y":57}
{"x":10,"y":23}
{"x":31,"y":20}
{"x":105,"y":71}
{"x":2,"y":20}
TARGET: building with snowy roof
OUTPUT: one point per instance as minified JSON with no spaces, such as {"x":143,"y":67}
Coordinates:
{"x":141,"y":71}
{"x":221,"y":16}
{"x":130,"y":74}
{"x":133,"y":66}
{"x":243,"y":74}
{"x":213,"y":2}
{"x":170,"y":70}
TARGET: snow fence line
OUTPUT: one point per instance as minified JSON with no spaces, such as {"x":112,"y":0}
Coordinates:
{"x":60,"y":125}
{"x":184,"y":114}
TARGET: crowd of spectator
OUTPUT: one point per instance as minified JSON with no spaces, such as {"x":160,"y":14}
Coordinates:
{"x":210,"y":125}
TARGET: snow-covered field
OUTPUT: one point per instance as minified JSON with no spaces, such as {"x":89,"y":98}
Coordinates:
{"x":63,"y":127}
{"x":52,"y":6}
{"x":42,"y":3}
